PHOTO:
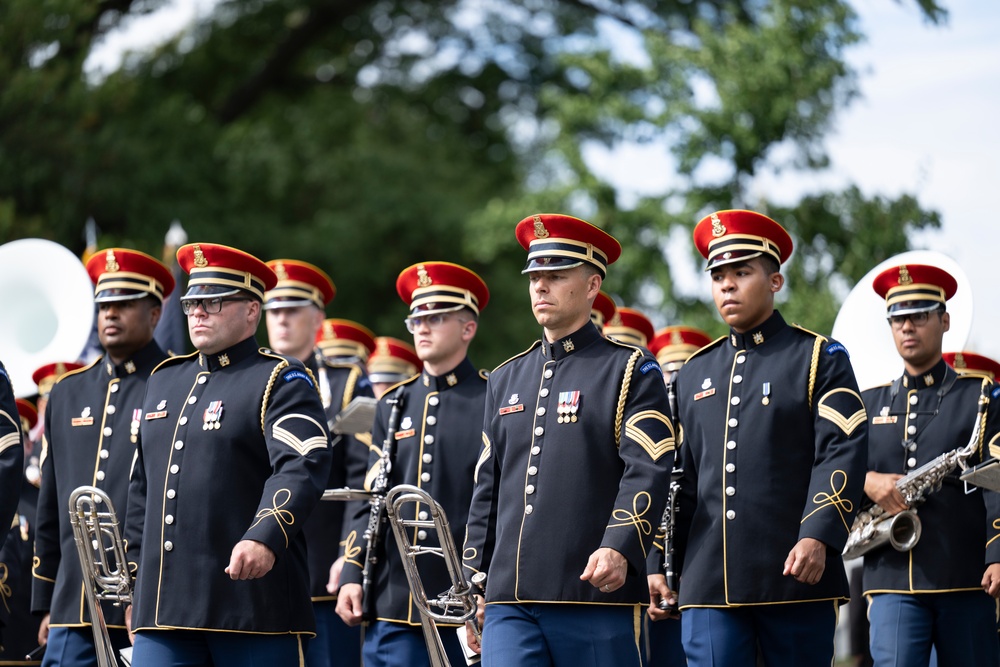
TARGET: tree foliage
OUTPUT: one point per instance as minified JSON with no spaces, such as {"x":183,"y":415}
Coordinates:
{"x":366,"y":135}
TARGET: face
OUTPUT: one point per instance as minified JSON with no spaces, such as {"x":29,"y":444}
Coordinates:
{"x":561,"y":300}
{"x":292,"y":331}
{"x":125,"y":327}
{"x":211,"y":333}
{"x":744,"y":293}
{"x":439,"y":340}
{"x":920,"y":345}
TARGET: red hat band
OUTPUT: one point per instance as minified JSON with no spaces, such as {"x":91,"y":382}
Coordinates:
{"x":120,"y":274}
{"x":299,"y":284}
{"x":441,"y":287}
{"x":914,"y":288}
{"x":217,"y":269}
{"x":727,"y":237}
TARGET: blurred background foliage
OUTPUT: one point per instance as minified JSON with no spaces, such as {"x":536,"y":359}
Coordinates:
{"x":366,"y":135}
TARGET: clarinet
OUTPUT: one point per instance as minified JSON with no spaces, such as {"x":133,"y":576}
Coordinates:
{"x":377,"y":515}
{"x":669,"y":521}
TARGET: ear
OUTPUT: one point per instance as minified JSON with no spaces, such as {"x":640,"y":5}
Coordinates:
{"x":946,"y":320}
{"x":469,"y":330}
{"x":155,"y":313}
{"x":777,"y":282}
{"x":594,"y":286}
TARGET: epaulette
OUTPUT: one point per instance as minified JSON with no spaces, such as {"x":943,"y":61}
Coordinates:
{"x":173,"y":360}
{"x":77,"y":371}
{"x":401,"y":383}
{"x":615,"y":341}
{"x":811,"y":333}
{"x":520,"y":354}
{"x":710,"y":346}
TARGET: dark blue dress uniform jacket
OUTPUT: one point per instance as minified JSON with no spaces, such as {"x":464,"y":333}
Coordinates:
{"x":196,"y":492}
{"x":339,"y":383}
{"x":91,"y":429}
{"x":11,"y":462}
{"x":436,"y":446}
{"x":773,"y":451}
{"x":934,"y":413}
{"x":551,"y":489}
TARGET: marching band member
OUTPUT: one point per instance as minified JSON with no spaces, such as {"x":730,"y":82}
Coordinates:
{"x":91,"y":426}
{"x":345,"y":341}
{"x":931,"y":595}
{"x":392,"y":362}
{"x":294,"y":316}
{"x":233,"y":456}
{"x":772,"y":455}
{"x":435,"y":448}
{"x":573,"y":471}
{"x":15,"y":568}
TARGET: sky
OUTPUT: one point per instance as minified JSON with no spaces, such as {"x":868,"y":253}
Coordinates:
{"x":926,"y":124}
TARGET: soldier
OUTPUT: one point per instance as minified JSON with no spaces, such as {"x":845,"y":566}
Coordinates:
{"x":573,"y":472}
{"x":345,"y":341}
{"x":931,"y":595}
{"x":392,"y":362}
{"x":91,"y":425}
{"x":672,"y":346}
{"x":435,"y":447}
{"x":233,"y":456}
{"x":772,"y":455}
{"x":294,"y":316}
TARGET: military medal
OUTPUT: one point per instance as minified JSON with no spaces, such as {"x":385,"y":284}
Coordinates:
{"x":134,"y":427}
{"x":569,"y":405}
{"x":213,"y":416}
{"x":766,"y":389}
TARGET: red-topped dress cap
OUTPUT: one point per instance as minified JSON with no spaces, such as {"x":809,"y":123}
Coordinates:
{"x":47,"y":375}
{"x":556,"y":241}
{"x":971,"y":363}
{"x":392,"y":361}
{"x":726,"y":237}
{"x":29,"y":415}
{"x":630,"y":326}
{"x":674,"y":344}
{"x":217,"y":269}
{"x":441,"y":287}
{"x":914,"y":288}
{"x":299,"y":283}
{"x":603,"y":310}
{"x":120,"y":274}
{"x":345,"y":338}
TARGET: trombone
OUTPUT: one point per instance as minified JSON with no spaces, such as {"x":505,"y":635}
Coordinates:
{"x":457,"y":604}
{"x":101,"y":550}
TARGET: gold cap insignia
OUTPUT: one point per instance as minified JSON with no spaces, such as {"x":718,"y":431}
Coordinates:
{"x":718,"y":229}
{"x":676,"y":338}
{"x":279,"y":270}
{"x":382,"y":346}
{"x":540,"y":231}
{"x":112,"y":263}
{"x":423,"y":280}
{"x":199,"y":257}
{"x":959,"y":360}
{"x":328,"y":332}
{"x":904,"y":276}
{"x":616,"y":320}
{"x":60,"y":368}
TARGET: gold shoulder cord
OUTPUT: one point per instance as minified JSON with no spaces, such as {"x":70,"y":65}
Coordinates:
{"x":813,"y":366}
{"x":626,"y":382}
{"x":352,"y":380}
{"x":985,"y":393}
{"x":267,"y":391}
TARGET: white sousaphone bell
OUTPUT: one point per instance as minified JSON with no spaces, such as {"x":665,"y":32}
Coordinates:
{"x":47,"y":301}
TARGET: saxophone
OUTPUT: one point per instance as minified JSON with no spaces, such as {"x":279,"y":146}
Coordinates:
{"x":874,"y":528}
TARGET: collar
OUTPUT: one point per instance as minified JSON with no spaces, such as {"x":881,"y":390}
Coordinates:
{"x":935,"y":377}
{"x":142,"y":362}
{"x":576,"y":341}
{"x":233,"y":355}
{"x":759,"y":334}
{"x":451,"y":379}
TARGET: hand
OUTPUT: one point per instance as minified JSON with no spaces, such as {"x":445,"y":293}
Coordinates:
{"x":475,"y":641}
{"x":334,"y":581}
{"x":605,"y":570}
{"x":250,"y":560}
{"x":128,"y":624}
{"x":806,"y":561}
{"x":991,"y":580}
{"x":43,"y":631}
{"x":349,"y":604}
{"x":881,"y":488}
{"x":658,"y":590}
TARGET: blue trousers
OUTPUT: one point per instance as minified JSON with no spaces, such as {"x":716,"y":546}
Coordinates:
{"x":787,"y":635}
{"x":336,"y":644}
{"x":197,"y":648}
{"x":561,"y":635}
{"x":74,"y":647}
{"x":398,"y":645}
{"x":661,"y":643}
{"x":961,"y":626}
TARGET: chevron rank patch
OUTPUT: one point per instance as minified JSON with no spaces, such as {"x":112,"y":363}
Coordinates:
{"x":300,"y":432}
{"x":651,"y":430}
{"x":844,"y":408}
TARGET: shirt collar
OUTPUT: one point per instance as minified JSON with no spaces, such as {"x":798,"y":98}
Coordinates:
{"x":760,"y":334}
{"x":230,"y":356}
{"x":450,"y":379}
{"x":934,"y":377}
{"x":142,"y":362}
{"x":576,"y":341}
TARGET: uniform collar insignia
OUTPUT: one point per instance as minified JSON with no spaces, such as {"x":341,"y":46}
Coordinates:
{"x":451,"y":379}
{"x":130,"y":367}
{"x":760,"y":335}
{"x":568,"y":345}
{"x":576,"y":341}
{"x":223,"y":360}
{"x":232,"y":355}
{"x":931,"y":378}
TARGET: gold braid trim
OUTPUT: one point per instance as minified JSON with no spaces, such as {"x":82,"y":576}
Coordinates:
{"x":352,"y":379}
{"x":267,"y":391}
{"x":985,"y":393}
{"x":626,"y":382}
{"x":813,"y":366}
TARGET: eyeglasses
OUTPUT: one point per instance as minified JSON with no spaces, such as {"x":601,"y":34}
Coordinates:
{"x":413,"y":324}
{"x":211,"y":305}
{"x":918,"y":319}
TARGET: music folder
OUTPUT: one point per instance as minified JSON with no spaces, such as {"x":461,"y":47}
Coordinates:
{"x":357,"y":417}
{"x":986,"y":475}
